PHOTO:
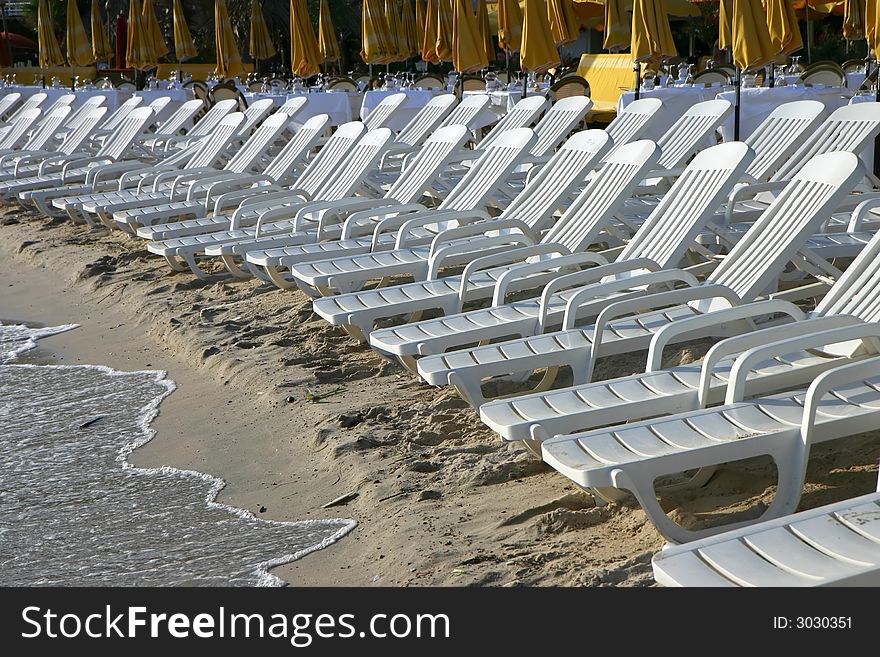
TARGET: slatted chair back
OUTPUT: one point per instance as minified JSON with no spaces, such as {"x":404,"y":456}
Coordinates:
{"x":521,"y":115}
{"x":332,"y":156}
{"x":429,"y":160}
{"x":686,"y":135}
{"x":282,"y":168}
{"x":562,"y":117}
{"x":380,"y":116}
{"x":426,"y":120}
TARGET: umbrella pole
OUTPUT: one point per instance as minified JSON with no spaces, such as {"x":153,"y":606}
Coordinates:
{"x":809,"y":37}
{"x":637,"y":70}
{"x":736,"y":104}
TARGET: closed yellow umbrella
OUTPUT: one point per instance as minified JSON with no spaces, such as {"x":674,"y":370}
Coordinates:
{"x":374,"y":33}
{"x":79,"y":50}
{"x":785,"y":35}
{"x":485,"y":30}
{"x":651,"y":36}
{"x":395,"y":35}
{"x":538,"y":51}
{"x":563,"y":24}
{"x":510,"y":25}
{"x":138,"y":48}
{"x":429,"y":41}
{"x":328,"y":44}
{"x":752,"y":47}
{"x":618,"y":28}
{"x":305,"y":60}
{"x":184,"y":48}
{"x":872,"y":27}
{"x":854,"y":19}
{"x":101,"y":50}
{"x":154,"y":32}
{"x":725,"y":15}
{"x":261,"y":46}
{"x":228,"y":57}
{"x":445,"y":29}
{"x":50,"y":52}
{"x":468,"y":51}
{"x":410,"y":40}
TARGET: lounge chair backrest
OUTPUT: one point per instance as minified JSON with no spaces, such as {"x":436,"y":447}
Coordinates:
{"x":87,"y":124}
{"x":689,"y":204}
{"x":248,"y":156}
{"x":490,"y":169}
{"x":29,"y":103}
{"x":426,"y":120}
{"x":214,"y":145}
{"x":635,"y":118}
{"x":292,"y":106}
{"x":257,"y":111}
{"x":121,"y":139}
{"x":546,"y":191}
{"x":330,"y":157}
{"x":780,"y":134}
{"x":73,"y":118}
{"x":281,"y":169}
{"x":562,"y":117}
{"x":64,"y":100}
{"x":857,"y":291}
{"x":118,"y":116}
{"x":18,"y":128}
{"x":760,"y":255}
{"x":583,"y":221}
{"x":361,"y":159}
{"x":686,"y":135}
{"x":212,"y":117}
{"x":467,"y":111}
{"x":8,"y":101}
{"x":429,"y":160}
{"x":159,"y":104}
{"x":849,"y":128}
{"x":178,"y":120}
{"x":522,"y":115}
{"x":46,"y":129}
{"x":380,"y":116}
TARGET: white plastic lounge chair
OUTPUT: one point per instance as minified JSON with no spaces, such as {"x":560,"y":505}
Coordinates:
{"x":199,"y":172}
{"x":631,"y":123}
{"x":32,"y":102}
{"x":254,"y":115}
{"x":469,"y":195}
{"x":68,"y":170}
{"x":204,"y":126}
{"x":362,"y":158}
{"x":345,"y":269}
{"x":426,"y":121}
{"x":227,"y":190}
{"x":118,"y":115}
{"x":833,"y":545}
{"x":381,"y":116}
{"x":467,"y":112}
{"x":7,"y":102}
{"x":20,"y":164}
{"x":661,"y":242}
{"x":174,"y":125}
{"x":18,"y":128}
{"x":319,"y":169}
{"x":535,"y":417}
{"x":521,"y":115}
{"x":43,"y":132}
{"x":593,"y":208}
{"x":292,"y":106}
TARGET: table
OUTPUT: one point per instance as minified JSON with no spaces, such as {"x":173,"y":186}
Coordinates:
{"x":334,"y":103}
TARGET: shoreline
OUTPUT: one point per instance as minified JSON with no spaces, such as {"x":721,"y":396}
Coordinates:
{"x":440,"y":500}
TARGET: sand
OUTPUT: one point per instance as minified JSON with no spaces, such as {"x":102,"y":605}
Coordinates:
{"x":439,"y":499}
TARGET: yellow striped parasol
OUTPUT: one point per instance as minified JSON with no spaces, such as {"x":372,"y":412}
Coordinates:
{"x":725,"y":16}
{"x":184,"y":48}
{"x":420,"y":25}
{"x":752,"y":47}
{"x":510,"y":25}
{"x":228,"y":57}
{"x":151,"y":25}
{"x":374,"y":35}
{"x":618,"y":29}
{"x":872,"y":27}
{"x":538,"y":51}
{"x":445,"y":29}
{"x":651,"y":35}
{"x":854,"y":19}
{"x":305,"y":61}
{"x":410,"y":40}
{"x":395,"y":33}
{"x":138,"y":48}
{"x":101,"y":50}
{"x":50,"y":51}
{"x":261,"y":46}
{"x":328,"y":44}
{"x":485,"y":30}
{"x":785,"y":35}
{"x":468,"y":51}
{"x":429,"y":42}
{"x":563,"y":24}
{"x":79,"y":50}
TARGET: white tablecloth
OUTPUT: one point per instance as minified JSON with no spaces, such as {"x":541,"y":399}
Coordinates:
{"x":335,"y":104}
{"x":500,"y":103}
{"x":54,"y":93}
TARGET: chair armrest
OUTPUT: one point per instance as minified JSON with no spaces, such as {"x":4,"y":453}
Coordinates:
{"x":234,"y":198}
{"x":432,"y":217}
{"x":363,"y":222}
{"x":872,"y":200}
{"x":747,"y":191}
{"x":487,"y":245}
{"x":567,"y":260}
{"x":479,"y":228}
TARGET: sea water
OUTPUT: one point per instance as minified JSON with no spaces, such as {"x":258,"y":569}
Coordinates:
{"x":74,"y":511}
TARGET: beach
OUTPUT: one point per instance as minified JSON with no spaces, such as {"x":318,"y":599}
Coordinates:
{"x":294,"y":415}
